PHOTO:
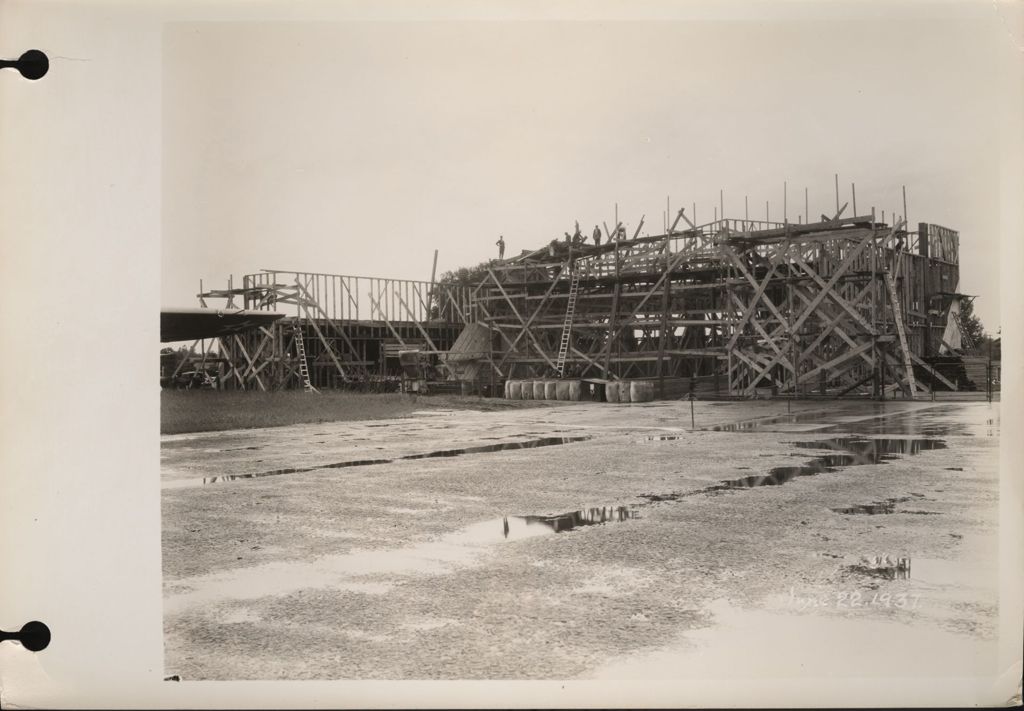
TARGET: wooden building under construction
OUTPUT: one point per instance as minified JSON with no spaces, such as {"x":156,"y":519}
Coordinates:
{"x":842,"y":306}
{"x":845,"y":306}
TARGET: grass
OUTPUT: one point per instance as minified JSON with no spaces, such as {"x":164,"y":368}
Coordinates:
{"x":208,"y":410}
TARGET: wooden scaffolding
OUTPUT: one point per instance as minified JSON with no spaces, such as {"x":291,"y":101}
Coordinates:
{"x":338,"y":331}
{"x":843,"y":306}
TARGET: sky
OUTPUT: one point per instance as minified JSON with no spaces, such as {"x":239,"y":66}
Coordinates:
{"x":361,"y":147}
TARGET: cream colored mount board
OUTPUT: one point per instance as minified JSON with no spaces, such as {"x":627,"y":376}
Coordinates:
{"x":703,"y":501}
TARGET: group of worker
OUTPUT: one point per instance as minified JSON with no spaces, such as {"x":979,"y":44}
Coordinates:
{"x":573,"y":240}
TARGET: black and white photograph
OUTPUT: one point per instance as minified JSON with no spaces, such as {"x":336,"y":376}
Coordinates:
{"x":649,"y":348}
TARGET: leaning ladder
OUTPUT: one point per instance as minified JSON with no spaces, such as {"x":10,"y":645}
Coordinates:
{"x":570,"y":310}
{"x":965,"y":338}
{"x":300,"y":347}
{"x":897,"y":315}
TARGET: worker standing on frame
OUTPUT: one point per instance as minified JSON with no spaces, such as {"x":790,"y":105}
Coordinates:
{"x":597,"y":236}
{"x":501,"y":247}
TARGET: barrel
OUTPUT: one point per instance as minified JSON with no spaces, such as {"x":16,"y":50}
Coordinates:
{"x":515,"y":390}
{"x":526,"y":389}
{"x":551,"y":390}
{"x":611,"y":392}
{"x":506,"y":389}
{"x":538,"y":389}
{"x":562,"y":389}
{"x":641,"y":391}
{"x":624,"y":394}
{"x":575,"y":390}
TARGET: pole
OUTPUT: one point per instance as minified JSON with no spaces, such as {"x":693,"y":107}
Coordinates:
{"x":433,"y":275}
{"x":490,"y":354}
{"x":785,"y":206}
{"x":990,"y":369}
{"x":807,"y":210}
{"x":905,"y":208}
{"x":837,"y":193}
{"x":853,"y":189}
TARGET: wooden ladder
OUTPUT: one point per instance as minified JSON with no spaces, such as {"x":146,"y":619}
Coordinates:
{"x":570,"y":310}
{"x":897,"y":315}
{"x":300,"y":347}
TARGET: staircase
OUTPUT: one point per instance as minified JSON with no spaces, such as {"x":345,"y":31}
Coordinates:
{"x":897,"y":315}
{"x":570,"y":310}
{"x":300,"y":348}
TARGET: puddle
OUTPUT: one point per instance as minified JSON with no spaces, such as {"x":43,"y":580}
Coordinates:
{"x":756,"y":424}
{"x":879,"y":507}
{"x":934,"y":571}
{"x":514,"y":528}
{"x":872,"y":451}
{"x":851,"y":451}
{"x":928,"y":421}
{"x":349,"y":572}
{"x":526,"y":444}
{"x":884,"y":567}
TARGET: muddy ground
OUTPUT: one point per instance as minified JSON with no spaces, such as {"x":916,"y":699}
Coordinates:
{"x":587,"y":541}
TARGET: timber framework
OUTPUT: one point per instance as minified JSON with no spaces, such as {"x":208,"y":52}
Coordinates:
{"x":837,"y":307}
{"x":846,"y":306}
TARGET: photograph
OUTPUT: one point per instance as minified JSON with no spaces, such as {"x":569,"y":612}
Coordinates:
{"x":560,"y":350}
{"x":511,"y":355}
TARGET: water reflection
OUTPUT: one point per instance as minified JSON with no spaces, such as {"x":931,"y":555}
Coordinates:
{"x":525,"y":444}
{"x":878,"y":507}
{"x":883,"y":566}
{"x":585,"y":517}
{"x":850,"y":451}
{"x":515,"y":528}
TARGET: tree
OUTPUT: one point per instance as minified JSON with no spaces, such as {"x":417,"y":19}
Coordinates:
{"x":463,"y":276}
{"x":973,"y":327}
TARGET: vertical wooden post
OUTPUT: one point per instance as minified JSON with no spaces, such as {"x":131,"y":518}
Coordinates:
{"x":794,"y":346}
{"x":837,"y":194}
{"x":490,"y":354}
{"x":430,"y":299}
{"x":662,"y":335}
{"x":874,"y":305}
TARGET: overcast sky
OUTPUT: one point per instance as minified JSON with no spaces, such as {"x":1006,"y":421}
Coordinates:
{"x":360,"y":147}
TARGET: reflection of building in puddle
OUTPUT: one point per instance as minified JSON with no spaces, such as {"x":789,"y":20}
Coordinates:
{"x":584,"y":517}
{"x":862,"y":450}
{"x":851,"y":451}
{"x":883,"y":566}
{"x":878,"y":507}
{"x":757,"y":424}
{"x":514,"y":528}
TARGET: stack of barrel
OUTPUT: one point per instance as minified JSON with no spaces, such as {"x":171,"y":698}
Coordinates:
{"x":629,"y":391}
{"x":542,"y":389}
{"x":616,"y":391}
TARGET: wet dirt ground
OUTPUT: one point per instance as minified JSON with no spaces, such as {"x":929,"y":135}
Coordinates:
{"x":587,"y":541}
